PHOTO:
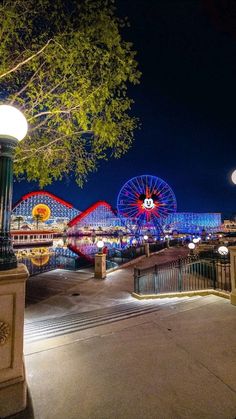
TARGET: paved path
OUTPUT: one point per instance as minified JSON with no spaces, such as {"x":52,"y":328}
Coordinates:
{"x":163,"y":359}
{"x":175,"y":362}
{"x":53,"y":293}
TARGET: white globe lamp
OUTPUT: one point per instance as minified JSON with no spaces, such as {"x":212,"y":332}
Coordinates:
{"x":233,"y":177}
{"x":13,"y":124}
{"x":100,"y":245}
{"x":223,"y":250}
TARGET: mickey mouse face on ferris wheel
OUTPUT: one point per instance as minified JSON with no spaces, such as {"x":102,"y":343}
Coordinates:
{"x":148,"y":203}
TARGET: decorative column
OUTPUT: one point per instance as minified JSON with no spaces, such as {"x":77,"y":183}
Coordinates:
{"x":13,"y":128}
{"x":100,"y":266}
{"x":232,"y":250}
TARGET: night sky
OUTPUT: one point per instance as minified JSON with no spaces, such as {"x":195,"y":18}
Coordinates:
{"x":186,"y":105}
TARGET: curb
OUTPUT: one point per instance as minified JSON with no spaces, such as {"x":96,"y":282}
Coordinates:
{"x":222,"y":294}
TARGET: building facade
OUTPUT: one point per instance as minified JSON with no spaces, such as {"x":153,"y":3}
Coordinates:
{"x":44,"y":209}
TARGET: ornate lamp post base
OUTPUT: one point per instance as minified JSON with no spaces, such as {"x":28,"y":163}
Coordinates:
{"x":12,"y":376}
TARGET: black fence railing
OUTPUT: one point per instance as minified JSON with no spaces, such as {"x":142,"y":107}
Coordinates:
{"x":187,"y":274}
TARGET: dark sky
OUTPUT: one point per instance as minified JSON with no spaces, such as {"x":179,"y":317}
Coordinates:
{"x":186,"y":105}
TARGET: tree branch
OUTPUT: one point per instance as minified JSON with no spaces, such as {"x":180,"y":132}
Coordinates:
{"x":26,"y":85}
{"x":66,"y":111}
{"x":26,"y":61}
{"x":42,"y":148}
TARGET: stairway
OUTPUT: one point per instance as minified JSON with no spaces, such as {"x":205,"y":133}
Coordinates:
{"x":53,"y":327}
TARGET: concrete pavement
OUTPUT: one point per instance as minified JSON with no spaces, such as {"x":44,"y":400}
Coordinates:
{"x":178,"y":361}
{"x":52,"y":293}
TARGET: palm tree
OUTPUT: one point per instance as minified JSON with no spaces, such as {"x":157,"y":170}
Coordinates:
{"x":18,"y":219}
{"x":37,"y":218}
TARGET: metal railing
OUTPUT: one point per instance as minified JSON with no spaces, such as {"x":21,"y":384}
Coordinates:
{"x":186,"y":274}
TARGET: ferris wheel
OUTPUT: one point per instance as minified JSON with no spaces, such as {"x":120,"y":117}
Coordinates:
{"x":145,"y":201}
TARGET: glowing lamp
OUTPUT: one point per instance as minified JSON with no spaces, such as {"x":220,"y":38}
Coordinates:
{"x":13,"y":124}
{"x":233,"y":177}
{"x":134,"y":241}
{"x":191,"y":246}
{"x":145,"y":237}
{"x":100,"y":244}
{"x":195,"y":240}
{"x":223,"y":250}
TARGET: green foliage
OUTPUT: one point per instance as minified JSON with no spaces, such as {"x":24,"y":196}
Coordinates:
{"x":18,"y":219}
{"x":37,"y":218}
{"x":66,"y":66}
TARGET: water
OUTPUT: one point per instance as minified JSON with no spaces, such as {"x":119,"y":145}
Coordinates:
{"x":73,"y":253}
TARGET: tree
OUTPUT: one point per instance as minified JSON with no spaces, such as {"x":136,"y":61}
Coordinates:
{"x":37,"y":218}
{"x":66,"y":65}
{"x":18,"y":219}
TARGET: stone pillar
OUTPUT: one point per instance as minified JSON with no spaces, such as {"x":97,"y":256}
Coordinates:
{"x":232,"y":250}
{"x":100,"y":266}
{"x":147,"y":249}
{"x":12,"y":375}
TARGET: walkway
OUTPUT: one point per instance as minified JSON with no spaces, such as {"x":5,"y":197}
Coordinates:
{"x":55,"y":293}
{"x":167,"y":359}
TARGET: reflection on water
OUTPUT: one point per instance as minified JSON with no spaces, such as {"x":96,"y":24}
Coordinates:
{"x":72,"y":253}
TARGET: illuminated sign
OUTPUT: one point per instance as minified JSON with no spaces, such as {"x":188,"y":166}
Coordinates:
{"x":42,"y":210}
{"x":148,"y":203}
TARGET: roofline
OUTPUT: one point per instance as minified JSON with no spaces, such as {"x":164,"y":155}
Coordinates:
{"x":30,"y":194}
{"x":83,"y":214}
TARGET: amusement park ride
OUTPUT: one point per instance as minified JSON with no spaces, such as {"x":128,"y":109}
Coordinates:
{"x":146,"y":204}
{"x":143,"y":204}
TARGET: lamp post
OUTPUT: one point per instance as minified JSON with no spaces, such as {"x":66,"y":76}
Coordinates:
{"x":100,"y":262}
{"x":221,"y":265}
{"x":167,"y":240}
{"x":191,"y":247}
{"x":146,"y":246}
{"x":13,"y":128}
